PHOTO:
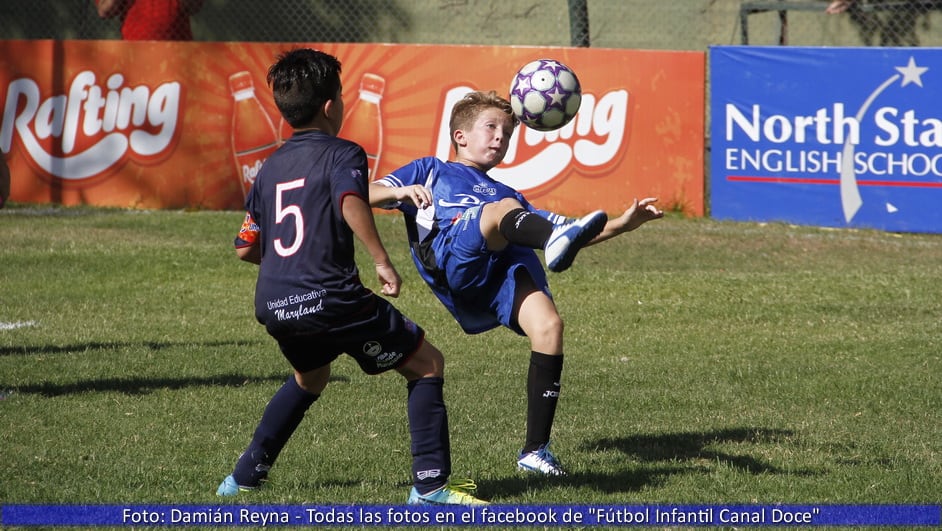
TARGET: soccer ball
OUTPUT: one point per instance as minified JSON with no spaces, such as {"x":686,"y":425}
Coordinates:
{"x":545,"y":94}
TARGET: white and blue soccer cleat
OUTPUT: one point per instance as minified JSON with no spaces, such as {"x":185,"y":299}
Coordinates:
{"x":567,"y":239}
{"x":540,"y":461}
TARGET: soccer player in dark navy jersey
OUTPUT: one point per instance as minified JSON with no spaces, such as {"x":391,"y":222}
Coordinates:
{"x":473,"y":241}
{"x":307,"y":205}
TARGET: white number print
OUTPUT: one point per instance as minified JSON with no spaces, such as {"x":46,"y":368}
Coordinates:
{"x":282,"y":211}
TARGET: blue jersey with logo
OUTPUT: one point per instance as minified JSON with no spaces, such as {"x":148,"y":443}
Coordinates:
{"x":455,"y":188}
{"x":479,"y":292}
{"x":308,"y":281}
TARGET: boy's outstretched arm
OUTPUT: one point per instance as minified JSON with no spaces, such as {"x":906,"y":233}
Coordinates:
{"x":639,"y":213}
{"x":357,"y":214}
{"x":382,"y":195}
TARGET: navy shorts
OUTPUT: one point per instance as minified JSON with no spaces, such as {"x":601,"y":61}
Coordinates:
{"x":384,"y":339}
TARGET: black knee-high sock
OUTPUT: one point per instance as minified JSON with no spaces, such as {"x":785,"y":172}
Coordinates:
{"x":284,"y":412}
{"x":428,"y":426}
{"x":525,"y":228}
{"x":543,"y":385}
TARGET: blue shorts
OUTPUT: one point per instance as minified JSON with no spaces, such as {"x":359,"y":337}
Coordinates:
{"x":380,"y":340}
{"x":481,"y":284}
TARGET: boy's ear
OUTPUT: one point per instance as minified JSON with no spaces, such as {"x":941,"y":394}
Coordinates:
{"x":459,"y":138}
{"x":328,"y":108}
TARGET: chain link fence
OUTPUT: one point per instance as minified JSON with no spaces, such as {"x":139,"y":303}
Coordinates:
{"x":639,"y":24}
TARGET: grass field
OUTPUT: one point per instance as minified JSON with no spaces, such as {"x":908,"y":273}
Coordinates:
{"x":706,"y":362}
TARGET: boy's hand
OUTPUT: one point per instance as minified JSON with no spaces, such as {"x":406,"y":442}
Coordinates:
{"x":640,"y":212}
{"x":389,"y":278}
{"x":416,"y":194}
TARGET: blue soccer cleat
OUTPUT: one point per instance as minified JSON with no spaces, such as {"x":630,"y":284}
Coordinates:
{"x":454,"y":493}
{"x":229,"y":487}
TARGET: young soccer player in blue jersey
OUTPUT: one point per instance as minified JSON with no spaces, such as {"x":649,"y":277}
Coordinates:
{"x":308,"y":202}
{"x":473,"y":239}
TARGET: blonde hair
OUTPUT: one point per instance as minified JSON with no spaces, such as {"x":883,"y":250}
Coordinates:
{"x":466,"y":111}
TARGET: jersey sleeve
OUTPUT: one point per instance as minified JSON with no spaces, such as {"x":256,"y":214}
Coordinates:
{"x":349,"y":177}
{"x":248,"y":234}
{"x":250,"y":229}
{"x":415,"y":172}
{"x":412,"y":173}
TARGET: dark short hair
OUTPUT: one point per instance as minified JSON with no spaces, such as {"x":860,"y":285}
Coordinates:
{"x":302,"y":80}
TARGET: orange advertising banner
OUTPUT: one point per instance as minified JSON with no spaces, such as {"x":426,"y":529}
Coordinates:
{"x":188,"y":124}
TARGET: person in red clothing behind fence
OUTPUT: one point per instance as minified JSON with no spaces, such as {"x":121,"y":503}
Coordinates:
{"x":154,"y":20}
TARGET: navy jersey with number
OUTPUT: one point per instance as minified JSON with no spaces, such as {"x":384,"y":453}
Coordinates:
{"x":308,"y":281}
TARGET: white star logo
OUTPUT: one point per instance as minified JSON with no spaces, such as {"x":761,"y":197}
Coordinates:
{"x":557,"y":98}
{"x":912,"y":73}
{"x":523,"y":85}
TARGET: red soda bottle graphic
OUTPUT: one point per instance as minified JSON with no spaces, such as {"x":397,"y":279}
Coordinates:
{"x":363,"y":123}
{"x":253,"y":135}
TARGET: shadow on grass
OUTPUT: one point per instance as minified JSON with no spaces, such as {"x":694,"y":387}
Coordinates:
{"x":673,"y":447}
{"x":143,"y":386}
{"x":661,"y":456}
{"x":96,"y":346}
{"x":624,"y":481}
{"x":134,"y":386}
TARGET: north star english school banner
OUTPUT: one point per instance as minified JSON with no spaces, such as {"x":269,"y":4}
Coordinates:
{"x":188,"y":124}
{"x":836,"y":137}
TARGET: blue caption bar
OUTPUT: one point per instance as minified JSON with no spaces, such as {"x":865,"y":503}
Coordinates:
{"x":491,"y":515}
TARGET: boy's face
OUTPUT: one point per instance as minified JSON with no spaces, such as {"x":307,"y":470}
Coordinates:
{"x":485,"y":143}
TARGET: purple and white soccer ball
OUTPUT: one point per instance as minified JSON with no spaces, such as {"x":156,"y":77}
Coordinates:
{"x":545,"y":94}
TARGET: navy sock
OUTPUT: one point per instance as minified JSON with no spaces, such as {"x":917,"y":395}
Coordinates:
{"x":525,"y":228}
{"x":284,"y":412}
{"x":543,"y":385}
{"x":428,"y":427}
